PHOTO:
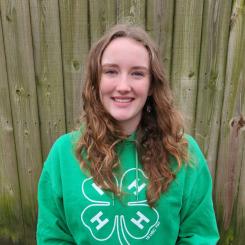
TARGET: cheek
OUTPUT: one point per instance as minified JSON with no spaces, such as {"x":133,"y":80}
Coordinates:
{"x":105,"y":89}
{"x":105,"y":86}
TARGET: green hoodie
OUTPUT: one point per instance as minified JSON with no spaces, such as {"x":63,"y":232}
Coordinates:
{"x":74,"y":210}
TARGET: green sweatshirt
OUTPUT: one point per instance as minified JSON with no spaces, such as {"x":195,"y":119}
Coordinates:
{"x":74,"y":210}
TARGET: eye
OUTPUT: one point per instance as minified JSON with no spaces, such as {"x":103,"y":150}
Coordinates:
{"x":138,"y":74}
{"x":110,"y":72}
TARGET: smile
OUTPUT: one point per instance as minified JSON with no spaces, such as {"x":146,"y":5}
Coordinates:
{"x":122,"y":100}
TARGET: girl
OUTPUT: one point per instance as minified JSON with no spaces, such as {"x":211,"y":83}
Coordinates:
{"x":129,"y":175}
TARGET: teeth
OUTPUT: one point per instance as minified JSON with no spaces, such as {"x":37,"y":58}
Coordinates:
{"x":122,"y":100}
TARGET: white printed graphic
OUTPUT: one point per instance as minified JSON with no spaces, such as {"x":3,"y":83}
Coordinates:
{"x":141,"y":219}
{"x":134,"y":185}
{"x":101,"y":223}
{"x":136,"y":220}
{"x":98,"y":189}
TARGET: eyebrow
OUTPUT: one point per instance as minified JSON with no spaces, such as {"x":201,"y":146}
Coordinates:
{"x":134,"y":67}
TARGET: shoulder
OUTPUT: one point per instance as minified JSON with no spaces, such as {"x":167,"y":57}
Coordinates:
{"x":195,"y":170}
{"x":61,"y":160}
{"x":65,"y":142}
{"x":62,"y":150}
{"x":195,"y":157}
{"x":193,"y":146}
{"x":195,"y":163}
{"x":67,"y":139}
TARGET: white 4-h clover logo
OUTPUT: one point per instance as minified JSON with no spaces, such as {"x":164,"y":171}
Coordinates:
{"x":124,"y":219}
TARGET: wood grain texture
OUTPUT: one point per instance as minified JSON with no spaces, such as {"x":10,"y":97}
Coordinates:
{"x":75,"y":44}
{"x":186,"y":50}
{"x":48,"y":70}
{"x":232,"y":137}
{"x":159,"y":24}
{"x":102,"y":16}
{"x":11,"y":222}
{"x":211,"y":80}
{"x":131,"y":12}
{"x":240,"y":212}
{"x":20,"y":69}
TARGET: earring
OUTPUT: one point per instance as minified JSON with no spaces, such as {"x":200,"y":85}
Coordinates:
{"x":148,"y":108}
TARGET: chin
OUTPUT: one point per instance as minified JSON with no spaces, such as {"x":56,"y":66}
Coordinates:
{"x":121,"y":119}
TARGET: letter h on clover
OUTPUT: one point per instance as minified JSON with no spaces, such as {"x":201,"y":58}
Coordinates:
{"x":129,"y":218}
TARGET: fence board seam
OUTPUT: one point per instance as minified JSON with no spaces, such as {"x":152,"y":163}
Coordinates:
{"x":62,"y":68}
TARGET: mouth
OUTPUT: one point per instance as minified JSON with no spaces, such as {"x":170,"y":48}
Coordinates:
{"x":122,"y":99}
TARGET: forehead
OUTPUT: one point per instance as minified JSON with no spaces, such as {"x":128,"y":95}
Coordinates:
{"x":124,"y":51}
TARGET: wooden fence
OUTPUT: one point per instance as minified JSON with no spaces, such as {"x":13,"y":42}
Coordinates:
{"x":43,"y":47}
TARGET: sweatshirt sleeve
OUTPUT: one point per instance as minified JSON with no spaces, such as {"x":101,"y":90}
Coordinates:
{"x":51,"y":227}
{"x":197,"y":217}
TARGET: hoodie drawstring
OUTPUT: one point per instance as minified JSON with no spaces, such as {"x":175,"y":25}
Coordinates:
{"x":137,"y":173}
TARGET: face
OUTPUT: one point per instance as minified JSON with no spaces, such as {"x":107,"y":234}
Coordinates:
{"x":125,"y":81}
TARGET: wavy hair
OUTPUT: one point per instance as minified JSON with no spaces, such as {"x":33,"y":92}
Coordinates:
{"x":159,"y":134}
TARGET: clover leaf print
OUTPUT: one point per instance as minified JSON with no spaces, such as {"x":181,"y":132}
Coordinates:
{"x":127,"y":218}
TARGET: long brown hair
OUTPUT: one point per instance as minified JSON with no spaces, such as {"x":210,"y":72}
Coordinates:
{"x":159,"y":134}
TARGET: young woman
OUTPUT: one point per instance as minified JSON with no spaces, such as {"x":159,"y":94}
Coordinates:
{"x":129,"y":175}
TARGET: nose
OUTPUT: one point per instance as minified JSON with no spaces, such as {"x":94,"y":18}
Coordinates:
{"x":123,"y":84}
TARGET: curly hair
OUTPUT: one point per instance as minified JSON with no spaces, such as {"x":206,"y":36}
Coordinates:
{"x":160,"y":131}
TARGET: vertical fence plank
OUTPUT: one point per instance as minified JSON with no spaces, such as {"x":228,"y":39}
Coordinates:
{"x":215,"y":34}
{"x":159,"y":24}
{"x":186,"y":47}
{"x":102,"y":16}
{"x":131,"y":11}
{"x":48,"y":70}
{"x":11,"y":222}
{"x":20,"y":68}
{"x":240,"y":212}
{"x":75,"y":44}
{"x":232,"y":137}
